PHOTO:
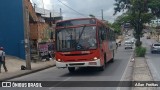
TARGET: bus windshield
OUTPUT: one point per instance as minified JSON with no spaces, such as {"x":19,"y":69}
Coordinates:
{"x":75,"y":22}
{"x":78,"y":38}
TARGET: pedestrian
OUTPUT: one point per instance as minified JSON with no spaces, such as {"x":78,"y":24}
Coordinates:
{"x":116,"y":46}
{"x":2,"y":59}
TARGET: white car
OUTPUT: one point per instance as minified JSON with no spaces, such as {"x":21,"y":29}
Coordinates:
{"x":128,"y":45}
{"x":155,"y":48}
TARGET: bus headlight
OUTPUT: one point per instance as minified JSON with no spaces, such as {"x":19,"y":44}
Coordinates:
{"x":95,"y":58}
{"x":59,"y":60}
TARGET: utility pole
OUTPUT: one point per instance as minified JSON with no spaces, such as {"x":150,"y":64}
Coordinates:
{"x":43,"y":7}
{"x":102,"y":14}
{"x":61,"y":13}
{"x":34,"y":7}
{"x":158,"y":34}
{"x":158,"y":29}
{"x":26,"y":36}
{"x":50,"y":21}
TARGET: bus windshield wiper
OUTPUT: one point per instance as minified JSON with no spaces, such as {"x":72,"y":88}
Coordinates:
{"x":80,"y":35}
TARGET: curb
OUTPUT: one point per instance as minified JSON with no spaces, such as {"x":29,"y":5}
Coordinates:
{"x":27,"y":72}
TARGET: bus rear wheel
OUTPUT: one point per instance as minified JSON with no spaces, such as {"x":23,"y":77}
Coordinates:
{"x":71,"y":69}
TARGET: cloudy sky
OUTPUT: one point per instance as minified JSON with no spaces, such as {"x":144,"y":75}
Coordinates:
{"x":83,"y":7}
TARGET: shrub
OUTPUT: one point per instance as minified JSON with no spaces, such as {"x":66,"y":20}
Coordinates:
{"x":140,"y":51}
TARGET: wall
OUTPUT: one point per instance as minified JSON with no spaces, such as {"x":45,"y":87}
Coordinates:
{"x":12,"y":27}
{"x":33,"y":31}
{"x":37,"y":30}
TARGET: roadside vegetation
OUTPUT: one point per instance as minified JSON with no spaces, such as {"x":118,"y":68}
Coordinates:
{"x":140,"y":51}
{"x":137,"y":13}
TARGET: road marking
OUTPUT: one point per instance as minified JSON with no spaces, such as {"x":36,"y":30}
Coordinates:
{"x":154,"y":70}
{"x":122,"y":78}
{"x":60,"y":82}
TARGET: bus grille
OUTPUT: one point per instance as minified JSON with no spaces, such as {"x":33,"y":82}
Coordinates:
{"x":76,"y":64}
{"x":75,"y":54}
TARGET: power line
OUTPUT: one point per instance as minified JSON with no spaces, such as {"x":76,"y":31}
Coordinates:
{"x":72,"y":9}
{"x":85,"y":15}
{"x":76,"y":13}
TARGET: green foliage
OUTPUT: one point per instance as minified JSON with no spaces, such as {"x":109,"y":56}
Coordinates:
{"x":154,"y":5}
{"x":138,"y":13}
{"x":116,"y":27}
{"x":142,"y":10}
{"x":140,"y":51}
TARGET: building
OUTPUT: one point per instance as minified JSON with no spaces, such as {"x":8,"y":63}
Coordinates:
{"x":12,"y":27}
{"x":155,"y":23}
{"x":20,"y":26}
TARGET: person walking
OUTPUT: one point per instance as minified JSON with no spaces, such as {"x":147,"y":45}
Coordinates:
{"x":116,"y":46}
{"x":2,"y":59}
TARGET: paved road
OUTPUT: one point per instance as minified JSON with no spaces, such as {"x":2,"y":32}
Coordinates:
{"x":152,"y":59}
{"x":113,"y":72}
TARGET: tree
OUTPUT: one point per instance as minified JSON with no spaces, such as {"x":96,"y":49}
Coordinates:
{"x":138,"y":13}
{"x":154,"y":5}
{"x":115,"y":26}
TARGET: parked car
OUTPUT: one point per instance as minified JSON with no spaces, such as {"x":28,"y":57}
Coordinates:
{"x":155,"y":48}
{"x":128,"y":45}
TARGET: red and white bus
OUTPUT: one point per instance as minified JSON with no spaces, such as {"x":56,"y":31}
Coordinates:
{"x":84,"y":42}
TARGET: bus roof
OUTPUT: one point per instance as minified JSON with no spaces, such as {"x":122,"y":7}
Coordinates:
{"x":97,"y":20}
{"x":75,"y":19}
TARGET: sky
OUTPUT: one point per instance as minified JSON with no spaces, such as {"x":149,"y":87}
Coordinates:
{"x":81,"y":8}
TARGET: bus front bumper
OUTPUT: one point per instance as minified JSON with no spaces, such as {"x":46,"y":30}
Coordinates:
{"x":95,"y":63}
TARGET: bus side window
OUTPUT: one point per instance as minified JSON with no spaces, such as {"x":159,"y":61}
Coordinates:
{"x":104,"y":33}
{"x":100,"y":33}
{"x":111,"y":34}
{"x":108,"y":37}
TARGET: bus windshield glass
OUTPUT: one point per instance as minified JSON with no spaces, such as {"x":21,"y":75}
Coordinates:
{"x":78,"y":38}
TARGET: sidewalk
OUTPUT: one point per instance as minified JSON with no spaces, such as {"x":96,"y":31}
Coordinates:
{"x":141,"y":72}
{"x":14,"y":67}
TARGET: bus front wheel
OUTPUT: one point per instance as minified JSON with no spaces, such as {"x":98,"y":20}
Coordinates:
{"x":71,"y":69}
{"x":102,"y":68}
